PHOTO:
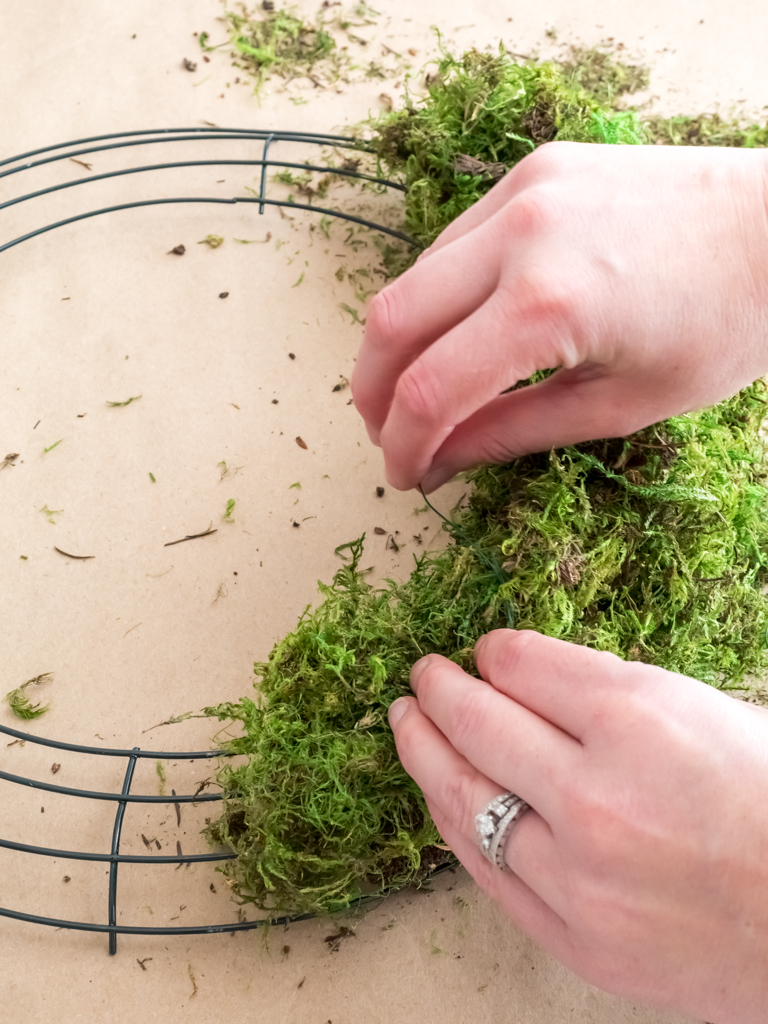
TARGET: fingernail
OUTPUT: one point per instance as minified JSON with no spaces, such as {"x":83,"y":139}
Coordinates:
{"x":479,"y":644}
{"x":396,"y":711}
{"x":416,"y":670}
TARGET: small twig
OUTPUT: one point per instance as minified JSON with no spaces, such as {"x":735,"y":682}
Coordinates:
{"x":82,"y":163}
{"x":203,"y":785}
{"x":190,"y":536}
{"x":173,"y":720}
{"x":80,"y":558}
{"x":178,"y":810}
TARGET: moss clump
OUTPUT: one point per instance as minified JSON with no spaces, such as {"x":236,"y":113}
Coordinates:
{"x":482,"y":115}
{"x":654,"y":547}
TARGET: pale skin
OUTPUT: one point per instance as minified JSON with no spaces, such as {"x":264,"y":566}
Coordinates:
{"x":642,"y":273}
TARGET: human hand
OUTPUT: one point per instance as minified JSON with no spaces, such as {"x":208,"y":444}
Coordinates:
{"x":643,"y":863}
{"x":640,"y":271}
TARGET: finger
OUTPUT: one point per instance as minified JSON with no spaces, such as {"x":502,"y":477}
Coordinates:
{"x":569,"y":407}
{"x":409,"y":315}
{"x":455,"y":788}
{"x":444,"y":776}
{"x":499,"y":345}
{"x":530,"y":854}
{"x":570,"y":686}
{"x":517,"y":899}
{"x":500,"y":738}
{"x":480,"y":212}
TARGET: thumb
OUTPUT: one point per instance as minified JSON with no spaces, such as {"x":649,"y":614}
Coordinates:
{"x":576,"y":405}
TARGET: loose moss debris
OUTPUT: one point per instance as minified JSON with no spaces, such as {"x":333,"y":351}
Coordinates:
{"x":283,"y":43}
{"x":279,"y":42}
{"x":602,"y":76}
{"x":21,"y":704}
{"x":160,"y":772}
{"x":54,"y":445}
{"x":706,"y":130}
{"x":212,"y":241}
{"x":352,"y":313}
{"x":227,"y":517}
{"x":119,"y":405}
{"x":51,"y":512}
{"x":653,"y":547}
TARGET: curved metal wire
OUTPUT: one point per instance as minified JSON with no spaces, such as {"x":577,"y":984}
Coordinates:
{"x":151,"y":135}
{"x":154,"y":136}
{"x":119,"y":141}
{"x":77,"y":748}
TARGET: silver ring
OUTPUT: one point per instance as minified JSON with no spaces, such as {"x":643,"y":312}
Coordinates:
{"x":495,"y":823}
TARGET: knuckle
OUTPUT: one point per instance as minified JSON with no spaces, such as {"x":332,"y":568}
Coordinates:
{"x":533,"y":212}
{"x":514,"y":652}
{"x":418,"y":394}
{"x":496,"y":445}
{"x":546,"y":162}
{"x":553,"y":157}
{"x":543,"y":297}
{"x":470,"y":717}
{"x":460,"y":799}
{"x":383,"y":319}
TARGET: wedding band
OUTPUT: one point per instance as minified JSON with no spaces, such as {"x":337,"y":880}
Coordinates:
{"x":495,"y":823}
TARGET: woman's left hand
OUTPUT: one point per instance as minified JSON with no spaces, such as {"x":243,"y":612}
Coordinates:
{"x":643,"y":862}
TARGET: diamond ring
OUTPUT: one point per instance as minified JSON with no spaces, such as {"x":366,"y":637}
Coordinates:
{"x":495,"y":823}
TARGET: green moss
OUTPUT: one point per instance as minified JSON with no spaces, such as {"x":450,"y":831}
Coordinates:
{"x":21,"y":704}
{"x":604,"y":77}
{"x":654,"y":547}
{"x":482,"y":115}
{"x":280,"y":42}
{"x":706,"y":130}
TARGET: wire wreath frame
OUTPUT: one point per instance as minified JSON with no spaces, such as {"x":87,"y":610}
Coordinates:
{"x":120,"y":141}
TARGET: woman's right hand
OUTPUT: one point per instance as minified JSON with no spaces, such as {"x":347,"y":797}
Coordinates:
{"x":640,"y":271}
